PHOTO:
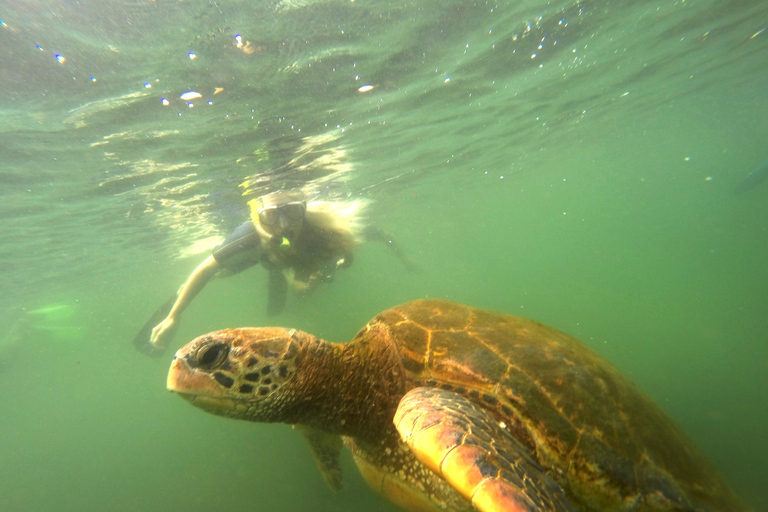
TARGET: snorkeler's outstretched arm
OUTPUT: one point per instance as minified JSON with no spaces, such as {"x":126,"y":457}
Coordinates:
{"x":164,"y":331}
{"x":375,"y":233}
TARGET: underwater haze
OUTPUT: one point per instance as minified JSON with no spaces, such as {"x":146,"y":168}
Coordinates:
{"x":598,"y":166}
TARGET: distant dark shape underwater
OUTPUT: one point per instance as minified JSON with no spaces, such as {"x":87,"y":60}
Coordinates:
{"x":753,"y":179}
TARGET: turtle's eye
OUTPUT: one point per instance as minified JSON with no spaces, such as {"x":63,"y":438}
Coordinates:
{"x":211,"y":356}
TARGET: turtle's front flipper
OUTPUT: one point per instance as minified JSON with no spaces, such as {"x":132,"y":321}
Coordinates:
{"x":462,"y":443}
{"x":326,"y":449}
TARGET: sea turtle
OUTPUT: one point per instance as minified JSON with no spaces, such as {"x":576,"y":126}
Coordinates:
{"x":448,"y":407}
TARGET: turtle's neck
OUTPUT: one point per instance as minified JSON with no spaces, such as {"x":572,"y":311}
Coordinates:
{"x":350,"y":389}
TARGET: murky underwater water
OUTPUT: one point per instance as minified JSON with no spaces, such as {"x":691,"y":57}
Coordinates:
{"x":572,"y":162}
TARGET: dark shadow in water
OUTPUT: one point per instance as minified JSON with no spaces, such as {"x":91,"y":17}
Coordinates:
{"x":753,"y":179}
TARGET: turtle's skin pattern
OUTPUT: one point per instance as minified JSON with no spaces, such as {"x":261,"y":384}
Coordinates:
{"x":448,"y":407}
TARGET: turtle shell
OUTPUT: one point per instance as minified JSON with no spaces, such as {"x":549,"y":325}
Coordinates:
{"x":591,"y":429}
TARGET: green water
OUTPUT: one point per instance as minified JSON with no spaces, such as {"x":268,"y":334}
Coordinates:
{"x":590,"y":187}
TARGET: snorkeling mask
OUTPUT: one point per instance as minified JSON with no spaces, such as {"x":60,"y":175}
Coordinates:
{"x":289,"y":213}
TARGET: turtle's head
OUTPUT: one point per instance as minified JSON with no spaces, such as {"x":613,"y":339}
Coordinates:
{"x":239,"y":373}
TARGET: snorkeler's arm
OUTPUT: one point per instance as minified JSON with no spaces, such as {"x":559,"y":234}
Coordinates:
{"x":305,"y":282}
{"x":164,"y":331}
{"x":375,"y":233}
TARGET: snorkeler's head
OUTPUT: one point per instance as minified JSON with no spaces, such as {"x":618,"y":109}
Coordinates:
{"x":279,"y":213}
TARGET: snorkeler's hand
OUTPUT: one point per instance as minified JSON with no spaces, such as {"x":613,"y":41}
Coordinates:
{"x":344,"y":262}
{"x":163,"y":333}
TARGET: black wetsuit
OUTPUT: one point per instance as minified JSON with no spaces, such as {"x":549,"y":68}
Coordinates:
{"x":242,"y":249}
{"x":312,"y":255}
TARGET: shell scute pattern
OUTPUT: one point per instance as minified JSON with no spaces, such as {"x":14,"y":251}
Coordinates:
{"x":577,"y":414}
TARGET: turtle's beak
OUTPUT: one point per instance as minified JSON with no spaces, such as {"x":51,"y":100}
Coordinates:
{"x":178,"y":375}
{"x":183,"y":379}
{"x":197,"y":387}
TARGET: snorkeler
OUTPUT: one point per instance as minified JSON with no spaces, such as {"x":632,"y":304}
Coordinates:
{"x":300,"y":243}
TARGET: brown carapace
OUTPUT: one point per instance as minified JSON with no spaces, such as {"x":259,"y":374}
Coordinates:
{"x":448,"y":407}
